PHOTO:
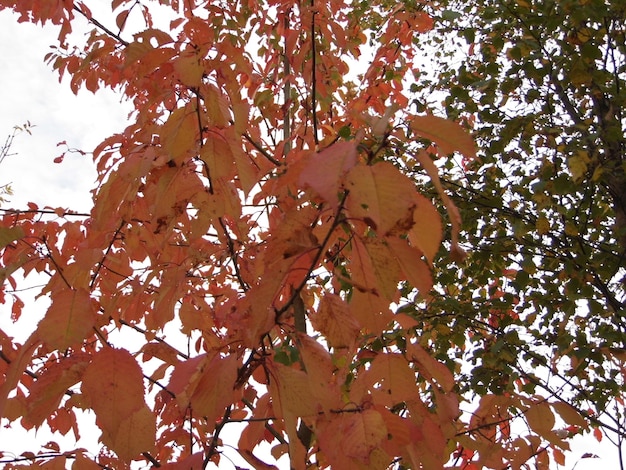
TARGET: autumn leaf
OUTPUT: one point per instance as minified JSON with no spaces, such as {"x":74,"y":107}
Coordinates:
{"x":430,"y":367}
{"x":50,"y":387}
{"x":10,"y":234}
{"x":426,"y":232}
{"x":332,"y":318}
{"x":351,"y":438}
{"x":179,"y":134}
{"x":448,"y":135}
{"x":69,"y":319}
{"x":382,"y":197}
{"x":292,"y":399}
{"x":113,"y":386}
{"x":389,"y":378}
{"x":320,"y":371}
{"x":323,"y":171}
{"x":210,"y":397}
{"x":189,"y":68}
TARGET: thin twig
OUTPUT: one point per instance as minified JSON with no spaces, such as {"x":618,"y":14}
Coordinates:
{"x":96,"y":23}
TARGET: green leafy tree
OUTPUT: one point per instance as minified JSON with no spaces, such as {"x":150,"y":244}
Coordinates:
{"x":539,"y":303}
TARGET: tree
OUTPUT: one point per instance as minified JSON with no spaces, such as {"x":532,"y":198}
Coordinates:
{"x":540,"y":296}
{"x":258,"y":226}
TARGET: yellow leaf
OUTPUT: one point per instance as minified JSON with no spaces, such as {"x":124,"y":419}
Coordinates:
{"x":542,"y":224}
{"x":578,"y":165}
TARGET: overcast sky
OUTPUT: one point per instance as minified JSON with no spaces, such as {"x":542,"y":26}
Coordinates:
{"x":30,"y":91}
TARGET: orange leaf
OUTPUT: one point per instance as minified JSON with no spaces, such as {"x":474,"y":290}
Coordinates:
{"x":348,"y":437}
{"x":16,"y":369}
{"x":370,"y":310}
{"x":559,"y":456}
{"x":453,"y":212}
{"x":410,"y":260}
{"x":69,"y":319}
{"x":426,"y":233}
{"x":429,"y":367}
{"x":385,"y":266}
{"x":179,"y":134}
{"x":82,"y":462}
{"x":320,"y":372}
{"x":569,"y":414}
{"x":448,"y":135}
{"x":292,"y":399}
{"x":189,"y":69}
{"x":382,"y":197}
{"x":255,"y":461}
{"x":210,"y":397}
{"x":389,"y":379}
{"x":540,"y":418}
{"x":113,"y":387}
{"x":135,"y":434}
{"x":332,"y":318}
{"x":216,"y":106}
{"x":50,"y":387}
{"x":324,"y":170}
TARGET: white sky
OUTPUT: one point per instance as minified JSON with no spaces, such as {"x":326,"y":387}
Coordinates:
{"x":30,"y":91}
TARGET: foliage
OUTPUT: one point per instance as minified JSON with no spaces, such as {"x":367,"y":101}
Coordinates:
{"x":538,"y":305}
{"x":258,"y":228}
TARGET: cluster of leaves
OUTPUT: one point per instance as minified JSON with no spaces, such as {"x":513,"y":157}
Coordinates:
{"x":258,"y":225}
{"x":539,"y":304}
